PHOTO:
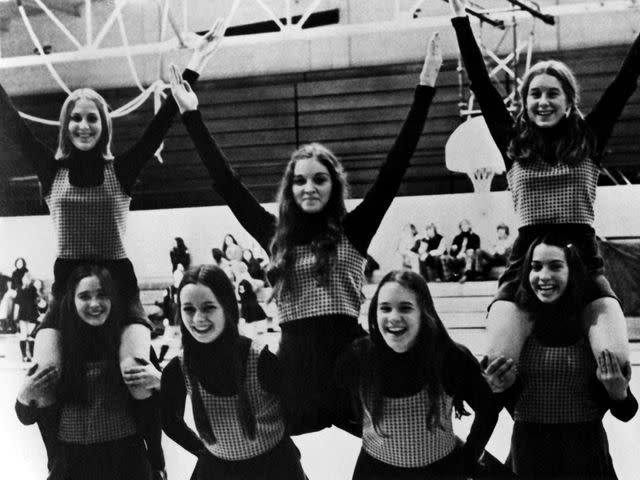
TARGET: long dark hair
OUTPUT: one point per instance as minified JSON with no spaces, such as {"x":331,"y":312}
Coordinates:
{"x":577,"y":143}
{"x":433,"y":342}
{"x":73,"y":330}
{"x":572,"y":301}
{"x":217,"y":281}
{"x":290,"y":216}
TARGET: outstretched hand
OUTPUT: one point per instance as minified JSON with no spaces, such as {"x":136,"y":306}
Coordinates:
{"x":614,"y":378}
{"x":205,"y":46}
{"x":458,"y":7}
{"x":432,"y":62}
{"x":181,"y":91}
{"x":37,"y":385}
{"x":500,"y":374}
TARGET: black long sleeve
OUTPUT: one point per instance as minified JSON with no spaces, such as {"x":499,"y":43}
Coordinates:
{"x":14,"y":130}
{"x":467,"y":383}
{"x":606,"y":112}
{"x":495,"y":113}
{"x":48,"y":419}
{"x":361,"y":224}
{"x":129,"y":164}
{"x":252,"y":216}
{"x":173,"y":394}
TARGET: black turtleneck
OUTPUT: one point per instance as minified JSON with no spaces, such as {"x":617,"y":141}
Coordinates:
{"x":127,"y":165}
{"x":216,"y":377}
{"x":601,"y":119}
{"x":360,"y":225}
{"x":86,"y":169}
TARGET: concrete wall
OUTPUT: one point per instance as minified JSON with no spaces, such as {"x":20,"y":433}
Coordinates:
{"x":150,"y":233}
{"x":239,"y":58}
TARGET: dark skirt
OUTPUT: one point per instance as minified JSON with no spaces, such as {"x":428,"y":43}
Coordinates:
{"x":123,"y":276}
{"x":584,"y":239}
{"x":447,"y":468}
{"x":308,"y":351}
{"x":123,"y":459}
{"x":279,"y":463}
{"x":561,"y":451}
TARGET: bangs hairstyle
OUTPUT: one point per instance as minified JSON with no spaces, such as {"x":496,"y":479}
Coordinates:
{"x":73,"y":384}
{"x":216,"y":280}
{"x":433,"y":343}
{"x":576,"y":144}
{"x":324,"y":245}
{"x":572,"y":300}
{"x":104,"y":142}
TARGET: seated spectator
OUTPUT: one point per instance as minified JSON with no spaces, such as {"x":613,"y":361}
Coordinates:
{"x":228,"y":241}
{"x":460,"y":262}
{"x":408,"y":259}
{"x":179,"y":255}
{"x":430,"y":249}
{"x":498,"y":254}
{"x":254,"y":265}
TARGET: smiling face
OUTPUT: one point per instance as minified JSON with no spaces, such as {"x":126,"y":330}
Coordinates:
{"x":312,"y":185}
{"x":85,"y":125}
{"x":92,"y":303}
{"x":201,"y":313}
{"x":549,"y":273}
{"x":547,"y":101}
{"x":398,"y":316}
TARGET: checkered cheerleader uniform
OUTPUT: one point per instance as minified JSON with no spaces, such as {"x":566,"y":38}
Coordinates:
{"x":222,"y":412}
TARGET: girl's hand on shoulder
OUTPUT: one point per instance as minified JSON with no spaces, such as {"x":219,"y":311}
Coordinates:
{"x":181,"y":90}
{"x":206,"y":45}
{"x":614,"y":378}
{"x":37,"y":385}
{"x":458,"y":8}
{"x":432,"y":62}
{"x":500,"y":374}
{"x":144,"y":375}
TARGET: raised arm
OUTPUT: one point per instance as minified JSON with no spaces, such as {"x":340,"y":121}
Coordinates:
{"x":608,"y":109}
{"x":252,"y":216}
{"x":493,"y":109}
{"x":14,"y":130}
{"x":129,"y":164}
{"x":362,"y":223}
{"x":173,"y":393}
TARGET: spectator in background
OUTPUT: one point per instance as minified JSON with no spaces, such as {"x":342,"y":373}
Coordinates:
{"x":16,"y":281}
{"x":42,"y":303}
{"x":179,"y":254}
{"x":247,"y":287}
{"x":406,"y":242}
{"x":460,"y":263}
{"x":178,"y":273}
{"x":254,"y":265}
{"x":430,"y":249}
{"x":498,"y":254}
{"x":26,"y":311}
{"x":226,"y":243}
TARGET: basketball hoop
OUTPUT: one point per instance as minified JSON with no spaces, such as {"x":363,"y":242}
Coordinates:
{"x":471,"y":150}
{"x":481,"y":179}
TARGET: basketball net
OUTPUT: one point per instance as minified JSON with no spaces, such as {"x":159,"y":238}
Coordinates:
{"x":481,"y":179}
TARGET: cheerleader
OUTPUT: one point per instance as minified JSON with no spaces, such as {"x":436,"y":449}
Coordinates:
{"x":318,"y":250}
{"x":234,"y":385}
{"x":552,"y":153}
{"x":88,"y":192}
{"x":562,"y":391}
{"x":90,"y":430}
{"x":406,"y":378}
